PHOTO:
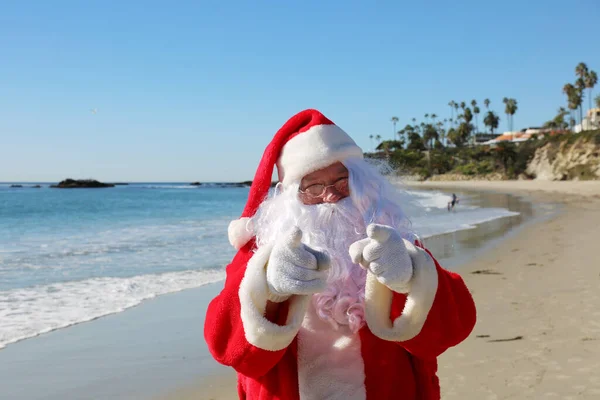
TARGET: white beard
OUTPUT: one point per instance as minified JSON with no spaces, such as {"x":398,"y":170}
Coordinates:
{"x":331,"y":228}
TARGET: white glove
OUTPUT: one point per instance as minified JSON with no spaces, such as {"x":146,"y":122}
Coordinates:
{"x":386,"y":255}
{"x":295,"y":268}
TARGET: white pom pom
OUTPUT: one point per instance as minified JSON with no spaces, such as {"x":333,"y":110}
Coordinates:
{"x":240,"y":232}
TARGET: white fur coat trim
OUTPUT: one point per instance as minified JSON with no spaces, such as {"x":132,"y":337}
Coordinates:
{"x":378,"y":303}
{"x":240,"y":232}
{"x":254,"y":293}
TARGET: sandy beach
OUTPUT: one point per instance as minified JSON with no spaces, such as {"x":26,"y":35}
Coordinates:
{"x":538,"y":329}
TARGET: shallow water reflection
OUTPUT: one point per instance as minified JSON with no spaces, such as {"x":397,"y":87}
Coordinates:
{"x":455,"y":248}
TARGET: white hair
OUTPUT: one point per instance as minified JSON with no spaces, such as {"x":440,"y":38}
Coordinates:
{"x":333,"y":227}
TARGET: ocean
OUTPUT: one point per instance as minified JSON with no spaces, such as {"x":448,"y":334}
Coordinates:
{"x":70,"y":256}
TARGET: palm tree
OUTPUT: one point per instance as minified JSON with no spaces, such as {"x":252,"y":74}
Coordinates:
{"x":442,"y":132}
{"x":468,"y":117}
{"x":430,"y":134}
{"x":568,"y":89}
{"x":597,"y":100}
{"x":558,"y":122}
{"x":505,"y":101}
{"x":394,"y":120}
{"x":590,"y":81}
{"x":580,"y":84}
{"x":491,"y":120}
{"x":433,"y":117}
{"x":456,"y":109}
{"x":414,"y":120}
{"x":378,"y":138}
{"x":581,"y":70}
{"x":512,"y":108}
{"x":371,"y":140}
{"x":572,"y":93}
{"x":462,"y":105}
{"x":451,"y":104}
{"x":474,"y":105}
{"x":476,"y":111}
{"x":486,"y":102}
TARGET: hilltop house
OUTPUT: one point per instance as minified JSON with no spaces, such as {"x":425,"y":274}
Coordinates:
{"x":590,"y":121}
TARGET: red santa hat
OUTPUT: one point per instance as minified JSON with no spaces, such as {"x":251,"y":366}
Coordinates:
{"x":306,"y":143}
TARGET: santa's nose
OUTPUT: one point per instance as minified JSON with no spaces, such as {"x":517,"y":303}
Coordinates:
{"x":332,"y":195}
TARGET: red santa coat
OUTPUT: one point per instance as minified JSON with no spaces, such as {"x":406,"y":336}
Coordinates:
{"x":396,"y":354}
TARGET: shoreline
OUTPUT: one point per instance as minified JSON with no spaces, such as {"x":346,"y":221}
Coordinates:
{"x":534,"y":188}
{"x":157,"y":347}
{"x":446,"y":241}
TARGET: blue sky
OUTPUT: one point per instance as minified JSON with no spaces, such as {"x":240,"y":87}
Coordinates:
{"x":195,"y":90}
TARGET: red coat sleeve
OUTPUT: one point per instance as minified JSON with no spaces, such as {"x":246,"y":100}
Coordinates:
{"x":236,"y":331}
{"x":437,"y":311}
{"x":450,"y":320}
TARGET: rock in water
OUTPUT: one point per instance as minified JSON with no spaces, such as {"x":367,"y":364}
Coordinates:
{"x":81,"y":183}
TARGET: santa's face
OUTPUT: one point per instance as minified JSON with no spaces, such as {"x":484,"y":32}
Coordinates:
{"x":327,"y":185}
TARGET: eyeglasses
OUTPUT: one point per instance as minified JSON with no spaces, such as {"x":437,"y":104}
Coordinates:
{"x":318,"y":189}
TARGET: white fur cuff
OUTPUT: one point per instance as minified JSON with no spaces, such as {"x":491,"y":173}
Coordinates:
{"x":422,"y":290}
{"x":254,"y":294}
{"x":240,"y":232}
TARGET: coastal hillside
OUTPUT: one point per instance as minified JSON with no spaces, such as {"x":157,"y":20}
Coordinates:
{"x":568,"y":156}
{"x":574,"y":157}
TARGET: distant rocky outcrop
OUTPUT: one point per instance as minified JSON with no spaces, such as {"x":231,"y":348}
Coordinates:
{"x":249,"y":183}
{"x":231,"y":184}
{"x":81,"y":183}
{"x":36,"y":187}
{"x":227,"y":184}
{"x":565,"y":160}
{"x":16,"y":186}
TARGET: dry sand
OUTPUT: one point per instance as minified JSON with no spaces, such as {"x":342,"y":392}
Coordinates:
{"x":539,"y":288}
{"x":538,"y":300}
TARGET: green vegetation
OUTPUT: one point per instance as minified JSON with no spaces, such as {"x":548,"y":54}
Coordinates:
{"x":506,"y":158}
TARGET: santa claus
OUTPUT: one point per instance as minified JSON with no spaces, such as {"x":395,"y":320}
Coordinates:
{"x":331,"y":295}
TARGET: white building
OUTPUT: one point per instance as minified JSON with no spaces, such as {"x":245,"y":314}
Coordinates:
{"x":590,"y":121}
